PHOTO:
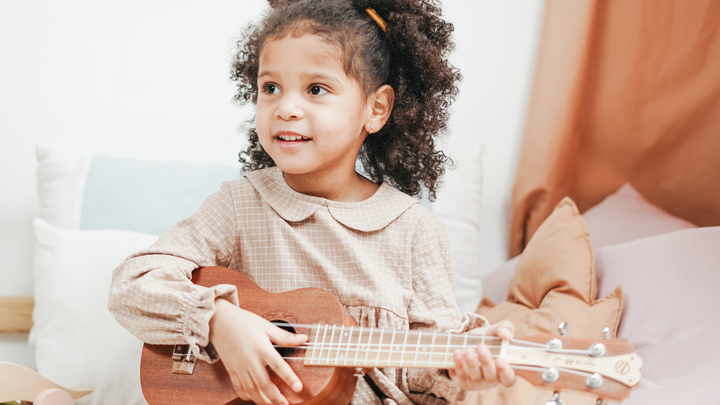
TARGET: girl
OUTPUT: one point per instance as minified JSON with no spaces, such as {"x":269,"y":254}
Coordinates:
{"x":338,"y":84}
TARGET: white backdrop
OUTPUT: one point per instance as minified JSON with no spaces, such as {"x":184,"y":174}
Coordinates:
{"x":149,"y":79}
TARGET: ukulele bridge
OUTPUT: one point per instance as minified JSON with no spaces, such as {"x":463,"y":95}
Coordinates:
{"x":183,"y":360}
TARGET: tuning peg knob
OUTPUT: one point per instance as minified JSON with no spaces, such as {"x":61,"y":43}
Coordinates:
{"x":605,"y":332}
{"x":555,"y":400}
{"x":563,"y":329}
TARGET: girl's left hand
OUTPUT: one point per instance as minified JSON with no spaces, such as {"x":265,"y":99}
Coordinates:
{"x":475,"y":369}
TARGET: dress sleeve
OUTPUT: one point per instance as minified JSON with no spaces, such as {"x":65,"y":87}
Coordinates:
{"x":433,"y":308}
{"x":152,"y":294}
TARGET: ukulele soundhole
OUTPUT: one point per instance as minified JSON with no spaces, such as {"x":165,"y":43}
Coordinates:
{"x":283,"y":320}
{"x":284,"y":351}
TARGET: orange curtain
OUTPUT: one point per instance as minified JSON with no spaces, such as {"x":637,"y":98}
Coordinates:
{"x":624,"y":90}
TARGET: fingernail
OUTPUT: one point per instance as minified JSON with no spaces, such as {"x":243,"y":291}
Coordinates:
{"x":297,"y":386}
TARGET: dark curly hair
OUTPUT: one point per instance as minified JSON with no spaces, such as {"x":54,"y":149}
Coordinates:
{"x":411,"y":57}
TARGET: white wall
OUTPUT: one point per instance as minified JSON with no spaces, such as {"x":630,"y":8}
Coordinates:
{"x":149,"y":79}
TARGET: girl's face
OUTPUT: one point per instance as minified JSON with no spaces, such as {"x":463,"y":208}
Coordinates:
{"x":310,"y":116}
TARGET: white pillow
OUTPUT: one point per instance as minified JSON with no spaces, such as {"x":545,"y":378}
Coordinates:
{"x":78,"y":343}
{"x":84,"y":190}
{"x":459,"y":205}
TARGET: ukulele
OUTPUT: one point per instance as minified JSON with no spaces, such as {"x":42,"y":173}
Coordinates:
{"x":330,"y":362}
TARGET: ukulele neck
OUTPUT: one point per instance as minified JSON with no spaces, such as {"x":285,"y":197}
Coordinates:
{"x":350,"y":346}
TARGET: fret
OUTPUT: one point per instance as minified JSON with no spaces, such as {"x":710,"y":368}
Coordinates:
{"x":347,"y":351}
{"x":448,"y":349}
{"x":402,"y":355}
{"x":313,"y":339}
{"x":338,"y":356}
{"x":417,"y":348}
{"x":392,"y":350}
{"x":322,"y":345}
{"x":464,"y":345}
{"x":432,"y":349}
{"x":357,"y":349}
{"x":367,"y":352}
{"x":332,"y":337}
{"x":377,"y":358}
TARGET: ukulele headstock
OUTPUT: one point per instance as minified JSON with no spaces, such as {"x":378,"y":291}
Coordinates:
{"x":606,"y":368}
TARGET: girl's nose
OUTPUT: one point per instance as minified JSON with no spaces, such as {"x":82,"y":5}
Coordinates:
{"x":289,"y":108}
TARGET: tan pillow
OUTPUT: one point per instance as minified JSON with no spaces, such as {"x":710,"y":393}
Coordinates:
{"x":554,"y":282}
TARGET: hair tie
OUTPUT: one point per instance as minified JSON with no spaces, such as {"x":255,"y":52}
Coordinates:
{"x":376,"y":17}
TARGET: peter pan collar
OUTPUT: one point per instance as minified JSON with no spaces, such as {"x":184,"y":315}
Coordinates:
{"x":373,"y":214}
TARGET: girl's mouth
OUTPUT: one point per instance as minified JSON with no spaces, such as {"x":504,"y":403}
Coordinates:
{"x":289,"y":140}
{"x":292,"y":138}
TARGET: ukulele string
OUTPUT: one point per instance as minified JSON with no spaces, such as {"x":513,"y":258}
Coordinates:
{"x":414,"y":348}
{"x":537,"y":367}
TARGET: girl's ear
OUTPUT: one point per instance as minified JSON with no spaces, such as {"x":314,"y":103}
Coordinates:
{"x":381,"y":105}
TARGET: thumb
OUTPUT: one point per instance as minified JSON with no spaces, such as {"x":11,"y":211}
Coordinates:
{"x":282,"y":337}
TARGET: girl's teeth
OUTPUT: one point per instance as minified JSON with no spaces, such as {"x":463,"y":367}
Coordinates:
{"x":292,"y":137}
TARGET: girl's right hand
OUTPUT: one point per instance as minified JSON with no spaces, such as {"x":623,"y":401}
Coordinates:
{"x":244,"y":341}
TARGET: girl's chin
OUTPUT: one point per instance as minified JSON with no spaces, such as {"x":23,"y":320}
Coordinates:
{"x":294,"y":168}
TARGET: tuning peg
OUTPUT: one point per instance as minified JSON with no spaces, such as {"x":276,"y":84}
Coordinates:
{"x":605,"y":332}
{"x":563,"y":329}
{"x":555,"y":400}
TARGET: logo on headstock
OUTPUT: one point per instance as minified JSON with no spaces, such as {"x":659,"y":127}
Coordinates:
{"x":622,"y":367}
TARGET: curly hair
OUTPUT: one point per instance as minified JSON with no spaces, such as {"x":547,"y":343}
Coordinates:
{"x":411,"y":57}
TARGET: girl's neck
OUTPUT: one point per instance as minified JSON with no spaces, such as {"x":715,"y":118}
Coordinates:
{"x":343,"y":187}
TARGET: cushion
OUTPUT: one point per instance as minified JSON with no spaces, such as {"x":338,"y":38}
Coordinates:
{"x":554,"y":281}
{"x":78,"y":344}
{"x":458,"y":205}
{"x":670,"y":314}
{"x":83,"y":190}
{"x":626,"y":215}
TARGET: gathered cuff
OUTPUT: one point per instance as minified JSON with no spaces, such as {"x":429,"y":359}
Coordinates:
{"x":199,"y":308}
{"x":470,"y":321}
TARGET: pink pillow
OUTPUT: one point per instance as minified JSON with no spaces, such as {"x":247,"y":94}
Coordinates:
{"x":625,"y":215}
{"x":670,"y":313}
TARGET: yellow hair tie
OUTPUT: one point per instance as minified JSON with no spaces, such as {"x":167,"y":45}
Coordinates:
{"x":376,"y":17}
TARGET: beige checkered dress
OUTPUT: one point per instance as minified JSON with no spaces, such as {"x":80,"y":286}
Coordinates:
{"x":386,"y":259}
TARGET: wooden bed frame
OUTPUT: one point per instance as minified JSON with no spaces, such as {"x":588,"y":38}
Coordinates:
{"x":16,"y":314}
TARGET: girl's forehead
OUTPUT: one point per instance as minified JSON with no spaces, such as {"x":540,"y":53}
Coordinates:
{"x":289,"y":50}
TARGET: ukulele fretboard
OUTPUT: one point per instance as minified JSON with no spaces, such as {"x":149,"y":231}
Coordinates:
{"x":352,"y":346}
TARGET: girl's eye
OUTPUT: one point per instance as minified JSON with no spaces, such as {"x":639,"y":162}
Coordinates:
{"x":317,"y":90}
{"x":271,"y":88}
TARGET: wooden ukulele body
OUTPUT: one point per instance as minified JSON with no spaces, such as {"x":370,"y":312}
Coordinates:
{"x":210,"y":383}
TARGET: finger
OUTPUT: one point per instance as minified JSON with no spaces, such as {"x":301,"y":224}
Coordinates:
{"x":267,"y":390}
{"x":282,"y":337}
{"x":505,"y":330}
{"x":239,"y":388}
{"x":487,"y":364}
{"x":250,"y":389}
{"x":284,"y":371}
{"x":472,"y":369}
{"x":461,"y":375}
{"x":506,"y":374}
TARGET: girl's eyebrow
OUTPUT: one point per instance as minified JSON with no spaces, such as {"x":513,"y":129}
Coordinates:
{"x":321,"y":77}
{"x":264,"y":73}
{"x":311,"y":76}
